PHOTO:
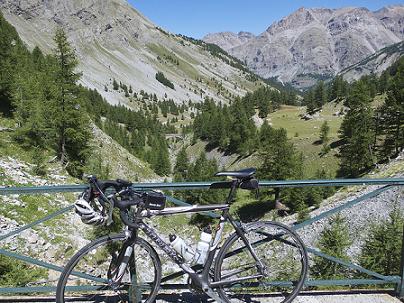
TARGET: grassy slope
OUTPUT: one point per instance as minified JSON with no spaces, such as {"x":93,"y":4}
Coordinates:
{"x":304,"y":134}
{"x":120,"y":162}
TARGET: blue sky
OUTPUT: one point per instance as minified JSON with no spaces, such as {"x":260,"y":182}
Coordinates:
{"x":196,"y":18}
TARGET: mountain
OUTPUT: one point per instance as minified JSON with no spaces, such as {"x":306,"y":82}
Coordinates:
{"x":376,"y":63}
{"x":393,"y":18}
{"x":114,"y":41}
{"x":315,"y":43}
{"x":229,"y":40}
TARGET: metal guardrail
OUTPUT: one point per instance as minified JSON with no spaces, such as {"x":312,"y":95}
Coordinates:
{"x":376,"y":279}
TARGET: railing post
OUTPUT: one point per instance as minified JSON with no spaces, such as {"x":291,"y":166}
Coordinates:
{"x":400,"y":286}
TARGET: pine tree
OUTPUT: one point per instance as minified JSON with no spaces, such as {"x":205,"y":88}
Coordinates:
{"x":392,"y":115}
{"x":325,"y":191}
{"x":95,"y":166}
{"x":279,"y":158}
{"x":70,"y":125}
{"x":320,"y":94}
{"x":382,"y":249}
{"x":158,"y":156}
{"x":357,"y":133}
{"x":115,"y":84}
{"x":324,"y":131}
{"x":30,"y":112}
{"x":280,"y":161}
{"x":243,"y":131}
{"x":310,"y":102}
{"x":334,"y":241}
{"x":181,"y":165}
{"x":38,"y":159}
{"x":203,"y":169}
{"x":10,"y":44}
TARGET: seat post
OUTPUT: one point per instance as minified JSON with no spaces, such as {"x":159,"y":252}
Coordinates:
{"x":233,"y":189}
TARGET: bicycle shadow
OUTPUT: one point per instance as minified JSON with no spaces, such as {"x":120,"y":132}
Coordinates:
{"x":192,"y":298}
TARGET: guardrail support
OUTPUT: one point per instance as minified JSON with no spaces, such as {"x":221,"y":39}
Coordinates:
{"x":400,"y":286}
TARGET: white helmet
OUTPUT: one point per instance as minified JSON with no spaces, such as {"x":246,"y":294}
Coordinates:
{"x":87,"y":213}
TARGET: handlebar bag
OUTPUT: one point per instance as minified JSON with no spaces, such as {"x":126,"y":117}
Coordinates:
{"x":155,"y":200}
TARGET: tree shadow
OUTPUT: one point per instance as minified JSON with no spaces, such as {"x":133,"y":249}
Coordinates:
{"x":337,"y":143}
{"x":255,"y":210}
{"x":209,"y":147}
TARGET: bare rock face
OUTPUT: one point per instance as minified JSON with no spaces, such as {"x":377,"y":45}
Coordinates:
{"x":393,"y":18}
{"x":113,"y":40}
{"x":228,"y":40}
{"x":316,"y":42}
{"x":376,"y":63}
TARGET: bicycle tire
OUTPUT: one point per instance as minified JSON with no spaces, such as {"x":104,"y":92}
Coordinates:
{"x":281,"y":251}
{"x":89,"y":267}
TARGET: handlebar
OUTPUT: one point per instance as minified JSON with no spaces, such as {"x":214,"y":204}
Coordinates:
{"x":124,"y":196}
{"x":122,"y":190}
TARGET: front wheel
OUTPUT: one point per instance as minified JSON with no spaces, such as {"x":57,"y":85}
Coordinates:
{"x":85,"y":277}
{"x":284,"y":260}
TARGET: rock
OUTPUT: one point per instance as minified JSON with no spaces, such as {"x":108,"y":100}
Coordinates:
{"x":51,"y":253}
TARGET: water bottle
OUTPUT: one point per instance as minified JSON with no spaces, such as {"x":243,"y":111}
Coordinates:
{"x":203,"y":246}
{"x":182,"y":248}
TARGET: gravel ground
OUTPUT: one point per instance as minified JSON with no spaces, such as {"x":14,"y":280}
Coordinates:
{"x":305,"y":298}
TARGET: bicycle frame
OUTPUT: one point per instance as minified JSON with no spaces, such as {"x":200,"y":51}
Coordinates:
{"x":200,"y":279}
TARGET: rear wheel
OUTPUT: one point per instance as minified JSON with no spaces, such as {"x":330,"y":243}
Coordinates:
{"x":281,"y":252}
{"x":85,"y":276}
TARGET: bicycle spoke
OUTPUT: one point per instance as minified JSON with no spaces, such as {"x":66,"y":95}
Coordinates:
{"x":280,"y":252}
{"x":96,"y":262}
{"x":238,"y":271}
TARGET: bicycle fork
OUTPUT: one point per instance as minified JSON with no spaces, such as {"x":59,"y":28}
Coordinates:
{"x":119,"y":266}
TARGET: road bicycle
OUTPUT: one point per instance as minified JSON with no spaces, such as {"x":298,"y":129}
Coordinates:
{"x":258,"y":259}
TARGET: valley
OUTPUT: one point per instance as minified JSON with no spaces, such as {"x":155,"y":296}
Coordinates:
{"x":94,"y":87}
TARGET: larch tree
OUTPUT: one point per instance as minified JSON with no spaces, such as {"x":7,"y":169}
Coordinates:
{"x":357,"y":132}
{"x":70,"y":123}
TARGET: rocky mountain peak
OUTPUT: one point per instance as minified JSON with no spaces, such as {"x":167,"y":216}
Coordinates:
{"x":245,"y":35}
{"x":314,"y":43}
{"x":393,"y":18}
{"x":299,"y":18}
{"x":227,"y":40}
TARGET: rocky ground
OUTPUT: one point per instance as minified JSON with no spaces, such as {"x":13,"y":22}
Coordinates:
{"x":53,"y":241}
{"x":363,"y":215}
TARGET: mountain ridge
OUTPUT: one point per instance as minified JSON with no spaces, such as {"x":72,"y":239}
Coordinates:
{"x":375,"y":63}
{"x":317,"y":41}
{"x":115,"y":41}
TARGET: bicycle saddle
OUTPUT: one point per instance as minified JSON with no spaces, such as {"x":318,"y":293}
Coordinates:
{"x":239,"y":174}
{"x":118,"y":184}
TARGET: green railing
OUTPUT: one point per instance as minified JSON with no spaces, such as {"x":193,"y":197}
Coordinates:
{"x":375,"y":278}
